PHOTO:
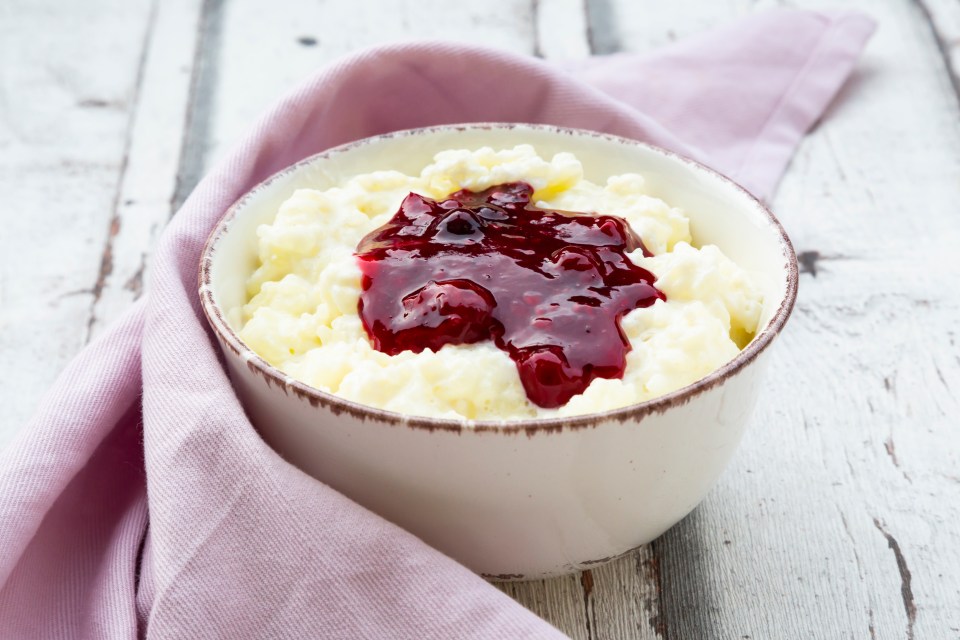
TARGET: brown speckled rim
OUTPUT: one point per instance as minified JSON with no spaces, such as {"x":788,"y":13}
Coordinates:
{"x":531,"y":426}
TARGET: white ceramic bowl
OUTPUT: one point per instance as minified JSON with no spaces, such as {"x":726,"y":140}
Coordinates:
{"x":523,"y":499}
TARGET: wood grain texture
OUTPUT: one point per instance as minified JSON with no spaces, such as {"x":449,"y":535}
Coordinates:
{"x":148,"y":174}
{"x":943,"y":18}
{"x":67,"y":96}
{"x":840,"y":516}
{"x":561,"y":29}
{"x":295,"y":39}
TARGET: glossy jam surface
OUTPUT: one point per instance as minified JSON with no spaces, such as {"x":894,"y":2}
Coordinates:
{"x":549,"y":288}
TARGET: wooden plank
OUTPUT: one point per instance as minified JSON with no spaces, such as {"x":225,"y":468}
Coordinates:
{"x":620,"y":25}
{"x":562,"y":29}
{"x":295,"y":39}
{"x":625,"y":597}
{"x":149,"y":173}
{"x":840,"y":514}
{"x":943,"y":18}
{"x":109,"y":160}
{"x":563,"y":602}
{"x":66,"y":99}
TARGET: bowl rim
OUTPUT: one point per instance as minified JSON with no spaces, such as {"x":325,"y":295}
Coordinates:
{"x":634,"y":412}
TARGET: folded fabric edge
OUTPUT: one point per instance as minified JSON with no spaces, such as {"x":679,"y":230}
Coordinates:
{"x":817,"y":83}
{"x":34,"y":479}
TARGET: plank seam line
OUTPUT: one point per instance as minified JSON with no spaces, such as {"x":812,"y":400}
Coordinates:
{"x":106,"y":258}
{"x":586,"y":584}
{"x":588,"y":22}
{"x":943,"y":47}
{"x":906,"y":590}
{"x":535,"y":19}
{"x":660,"y":626}
{"x":190,"y":107}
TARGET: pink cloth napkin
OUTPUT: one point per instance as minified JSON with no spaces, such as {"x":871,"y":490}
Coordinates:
{"x":141,"y":502}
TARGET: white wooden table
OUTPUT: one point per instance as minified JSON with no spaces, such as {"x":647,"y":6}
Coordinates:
{"x":840,"y":516}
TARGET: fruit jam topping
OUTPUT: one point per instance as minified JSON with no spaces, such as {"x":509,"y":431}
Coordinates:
{"x":549,"y":288}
